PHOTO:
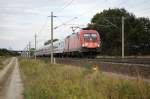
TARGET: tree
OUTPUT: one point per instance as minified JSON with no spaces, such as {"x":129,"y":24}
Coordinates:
{"x":137,"y":32}
{"x":32,"y":51}
{"x":49,"y":41}
{"x":5,"y":52}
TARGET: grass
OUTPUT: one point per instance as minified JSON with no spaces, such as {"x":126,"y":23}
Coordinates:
{"x":47,"y":81}
{"x":3,"y":61}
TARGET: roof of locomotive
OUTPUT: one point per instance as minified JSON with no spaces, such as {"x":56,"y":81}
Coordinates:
{"x":88,"y":31}
{"x":82,"y":31}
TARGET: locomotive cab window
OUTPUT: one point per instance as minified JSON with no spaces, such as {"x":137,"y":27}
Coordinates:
{"x":93,"y":36}
{"x":90,"y":37}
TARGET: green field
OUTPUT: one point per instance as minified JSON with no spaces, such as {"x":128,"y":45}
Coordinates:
{"x":46,"y":81}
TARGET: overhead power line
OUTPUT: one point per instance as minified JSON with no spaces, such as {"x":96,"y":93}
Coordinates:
{"x":67,"y":4}
{"x":65,"y":23}
{"x":79,"y":16}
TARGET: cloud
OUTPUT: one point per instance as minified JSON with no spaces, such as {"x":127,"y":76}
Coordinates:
{"x":19,"y":11}
{"x":7,"y":38}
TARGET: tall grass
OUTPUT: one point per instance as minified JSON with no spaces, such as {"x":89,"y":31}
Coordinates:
{"x":3,"y":61}
{"x":47,"y":81}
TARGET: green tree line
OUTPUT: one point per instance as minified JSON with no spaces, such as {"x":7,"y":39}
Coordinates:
{"x":5,"y":52}
{"x":109,"y":25}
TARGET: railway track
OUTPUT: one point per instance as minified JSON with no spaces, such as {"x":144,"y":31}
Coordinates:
{"x":144,"y":61}
{"x":138,"y":61}
{"x":131,"y":67}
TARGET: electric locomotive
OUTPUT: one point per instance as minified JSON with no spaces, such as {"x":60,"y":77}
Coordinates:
{"x":84,"y":43}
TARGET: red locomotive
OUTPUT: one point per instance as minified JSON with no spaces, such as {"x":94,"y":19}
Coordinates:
{"x":84,"y":43}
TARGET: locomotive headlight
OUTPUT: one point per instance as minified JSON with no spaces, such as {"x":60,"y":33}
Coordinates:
{"x":83,"y":45}
{"x":86,"y":44}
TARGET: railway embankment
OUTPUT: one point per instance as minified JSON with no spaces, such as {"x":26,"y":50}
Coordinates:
{"x":134,"y":68}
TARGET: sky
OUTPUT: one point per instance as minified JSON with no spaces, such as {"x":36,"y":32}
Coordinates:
{"x":20,"y":20}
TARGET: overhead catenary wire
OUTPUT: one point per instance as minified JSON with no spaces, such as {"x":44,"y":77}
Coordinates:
{"x":67,"y":4}
{"x":76,"y":17}
{"x":65,"y":23}
{"x":124,"y":2}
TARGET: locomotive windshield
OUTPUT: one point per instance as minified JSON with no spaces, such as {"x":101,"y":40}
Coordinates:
{"x":90,"y":37}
